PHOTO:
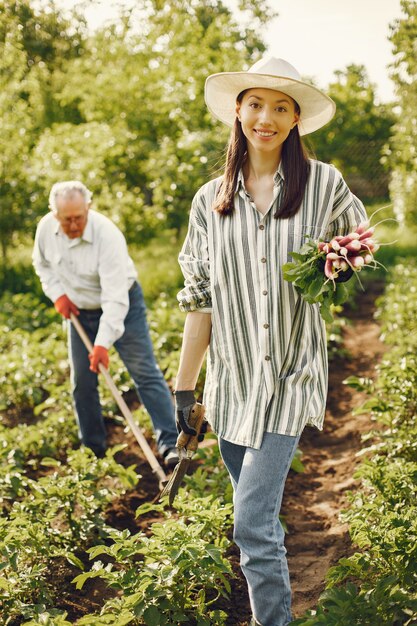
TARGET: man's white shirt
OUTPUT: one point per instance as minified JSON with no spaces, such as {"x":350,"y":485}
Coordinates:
{"x":94,"y":270}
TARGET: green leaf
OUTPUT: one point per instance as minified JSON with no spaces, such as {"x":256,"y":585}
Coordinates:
{"x":49,"y":462}
{"x":326,"y":313}
{"x":297,"y":256}
{"x":315,"y":287}
{"x":74,"y":560}
{"x":82,"y":578}
{"x":152,"y":616}
{"x":341,"y":294}
{"x":4,"y":583}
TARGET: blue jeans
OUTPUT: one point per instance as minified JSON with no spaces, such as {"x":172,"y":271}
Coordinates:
{"x":258,"y":479}
{"x":136,"y":351}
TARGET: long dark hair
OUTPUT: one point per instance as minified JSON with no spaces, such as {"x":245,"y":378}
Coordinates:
{"x":295,"y":163}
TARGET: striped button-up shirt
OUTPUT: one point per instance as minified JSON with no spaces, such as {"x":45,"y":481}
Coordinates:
{"x":95,"y":270}
{"x":267,"y":362}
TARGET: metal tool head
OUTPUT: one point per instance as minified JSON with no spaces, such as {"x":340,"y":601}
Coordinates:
{"x":175,"y":481}
{"x":187,"y":445}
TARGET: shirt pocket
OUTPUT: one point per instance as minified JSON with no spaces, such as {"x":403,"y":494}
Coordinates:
{"x":299,"y":234}
{"x":53,"y":257}
{"x":84,"y":266}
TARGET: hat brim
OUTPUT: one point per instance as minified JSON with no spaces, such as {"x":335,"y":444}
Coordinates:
{"x":222,"y":90}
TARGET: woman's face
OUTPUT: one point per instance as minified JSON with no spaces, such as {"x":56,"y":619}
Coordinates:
{"x":267,"y":117}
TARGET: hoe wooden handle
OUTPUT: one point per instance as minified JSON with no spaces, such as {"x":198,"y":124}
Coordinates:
{"x":145,"y":447}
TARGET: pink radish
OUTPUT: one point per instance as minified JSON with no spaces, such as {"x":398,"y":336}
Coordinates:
{"x":357,"y":262}
{"x":343,"y":242}
{"x":332,"y":256}
{"x":328,"y":270}
{"x":367,"y":233}
{"x":368,"y":244}
{"x":362,"y":227}
{"x":353,"y":246}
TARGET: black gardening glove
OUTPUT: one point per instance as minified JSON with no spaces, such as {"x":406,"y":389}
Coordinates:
{"x":184,"y":402}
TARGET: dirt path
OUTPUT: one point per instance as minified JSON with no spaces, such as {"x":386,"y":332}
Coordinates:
{"x":317,"y":538}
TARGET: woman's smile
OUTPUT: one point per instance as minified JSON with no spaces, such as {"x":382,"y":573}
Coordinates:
{"x":264,"y":134}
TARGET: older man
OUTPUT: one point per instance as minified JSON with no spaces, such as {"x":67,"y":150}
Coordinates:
{"x":82,"y":260}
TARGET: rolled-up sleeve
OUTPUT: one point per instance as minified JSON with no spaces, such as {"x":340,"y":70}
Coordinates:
{"x":347,"y":213}
{"x":194,"y":261}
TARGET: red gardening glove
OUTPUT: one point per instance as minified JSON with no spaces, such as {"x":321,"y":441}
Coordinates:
{"x":65,"y":306}
{"x":98,"y":355}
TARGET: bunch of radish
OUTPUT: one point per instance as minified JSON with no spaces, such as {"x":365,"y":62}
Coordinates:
{"x":349,"y":252}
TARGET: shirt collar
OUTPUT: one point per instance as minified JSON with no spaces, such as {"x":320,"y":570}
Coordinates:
{"x":86,"y":236}
{"x":88,"y":230}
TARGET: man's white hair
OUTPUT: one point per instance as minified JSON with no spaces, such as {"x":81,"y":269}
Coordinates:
{"x":66,"y":189}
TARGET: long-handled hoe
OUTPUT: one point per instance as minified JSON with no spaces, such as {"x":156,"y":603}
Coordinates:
{"x":145,"y":447}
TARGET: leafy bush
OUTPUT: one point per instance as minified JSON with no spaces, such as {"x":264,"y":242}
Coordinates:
{"x":378,"y":584}
{"x":172,"y":576}
{"x":62,"y":512}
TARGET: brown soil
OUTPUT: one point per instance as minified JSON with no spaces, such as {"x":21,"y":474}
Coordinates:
{"x":313,"y":500}
{"x":317,"y":539}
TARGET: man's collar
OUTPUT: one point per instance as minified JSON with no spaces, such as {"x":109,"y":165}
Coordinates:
{"x":88,"y":230}
{"x":86,"y":236}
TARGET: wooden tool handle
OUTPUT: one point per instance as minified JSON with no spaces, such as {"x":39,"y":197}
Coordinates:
{"x":140,"y":437}
{"x":190,"y":442}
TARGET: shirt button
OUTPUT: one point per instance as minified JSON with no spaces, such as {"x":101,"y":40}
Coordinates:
{"x":261,"y":227}
{"x":267,"y":358}
{"x":265,"y":293}
{"x":263,"y":260}
{"x":266,"y":325}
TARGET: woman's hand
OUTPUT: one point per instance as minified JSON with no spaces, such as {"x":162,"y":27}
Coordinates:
{"x":184,"y":402}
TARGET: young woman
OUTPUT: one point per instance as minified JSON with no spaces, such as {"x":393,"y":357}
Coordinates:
{"x":267,"y":362}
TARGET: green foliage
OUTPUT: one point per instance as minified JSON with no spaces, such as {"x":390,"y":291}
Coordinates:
{"x":19,"y":277}
{"x":34,"y":46}
{"x":382,"y":515}
{"x":28,"y":373}
{"x":174,"y":574}
{"x":62,"y":512}
{"x":166,"y":323}
{"x":402,"y":155}
{"x":145,"y":154}
{"x":306,"y":273}
{"x":15,"y":137}
{"x":355,"y":139}
{"x":25,"y":311}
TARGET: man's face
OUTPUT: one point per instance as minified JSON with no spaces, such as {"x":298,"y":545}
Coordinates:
{"x":72,"y":214}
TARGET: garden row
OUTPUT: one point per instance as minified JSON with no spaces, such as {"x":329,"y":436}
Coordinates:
{"x":378,"y":583}
{"x":54,"y":497}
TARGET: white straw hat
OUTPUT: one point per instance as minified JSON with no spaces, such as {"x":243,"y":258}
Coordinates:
{"x":221,"y":91}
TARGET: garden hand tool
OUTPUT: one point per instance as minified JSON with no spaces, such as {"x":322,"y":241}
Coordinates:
{"x":140,"y":438}
{"x":186,"y":445}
